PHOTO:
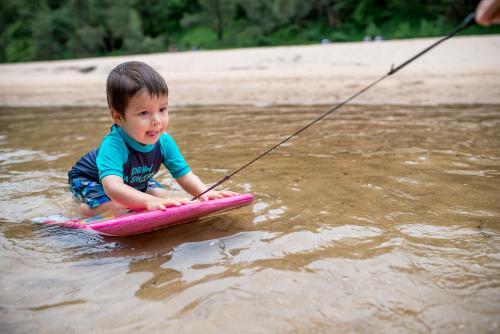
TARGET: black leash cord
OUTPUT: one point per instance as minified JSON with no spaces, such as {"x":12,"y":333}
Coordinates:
{"x":393,"y":70}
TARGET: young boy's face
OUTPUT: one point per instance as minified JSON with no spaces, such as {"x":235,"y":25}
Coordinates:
{"x":146,"y":117}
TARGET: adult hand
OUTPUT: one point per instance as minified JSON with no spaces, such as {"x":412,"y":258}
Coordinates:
{"x":488,"y":12}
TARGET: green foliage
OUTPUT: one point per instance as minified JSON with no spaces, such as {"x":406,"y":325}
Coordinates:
{"x":17,"y":43}
{"x":87,"y":41}
{"x":55,"y":29}
{"x":198,"y":37}
{"x":372,"y":29}
{"x":50,"y":33}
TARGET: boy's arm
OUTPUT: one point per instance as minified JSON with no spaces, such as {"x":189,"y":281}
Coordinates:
{"x":132,"y":198}
{"x":194,"y":186}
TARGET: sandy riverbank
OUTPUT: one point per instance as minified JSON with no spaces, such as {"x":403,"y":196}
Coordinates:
{"x":461,"y":70}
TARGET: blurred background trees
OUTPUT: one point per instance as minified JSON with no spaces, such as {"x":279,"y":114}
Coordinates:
{"x":61,"y":29}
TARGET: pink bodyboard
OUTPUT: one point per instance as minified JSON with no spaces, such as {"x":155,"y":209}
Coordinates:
{"x":136,"y":222}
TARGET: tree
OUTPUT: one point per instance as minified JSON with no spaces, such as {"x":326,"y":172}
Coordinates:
{"x":54,"y":29}
{"x":215,"y":14}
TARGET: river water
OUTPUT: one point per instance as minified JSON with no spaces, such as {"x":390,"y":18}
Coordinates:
{"x":375,"y":220}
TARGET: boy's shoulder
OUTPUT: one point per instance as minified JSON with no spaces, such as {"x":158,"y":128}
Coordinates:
{"x":113,"y":141}
{"x":113,"y":135}
{"x":165,"y":137}
{"x":168,"y":146}
{"x":166,"y":141}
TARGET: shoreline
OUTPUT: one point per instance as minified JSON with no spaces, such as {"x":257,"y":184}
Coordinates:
{"x":463,"y":70}
{"x":263,"y":106}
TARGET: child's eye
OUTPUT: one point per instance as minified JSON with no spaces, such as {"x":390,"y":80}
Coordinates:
{"x":143,"y":113}
{"x":163,"y":109}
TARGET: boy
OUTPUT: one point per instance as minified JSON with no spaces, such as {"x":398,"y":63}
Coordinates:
{"x":119,"y":173}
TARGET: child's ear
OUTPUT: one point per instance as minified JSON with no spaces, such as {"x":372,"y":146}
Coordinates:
{"x":115,"y":115}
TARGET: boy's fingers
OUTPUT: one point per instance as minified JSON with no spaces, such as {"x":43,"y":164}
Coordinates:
{"x":227,"y":193}
{"x":171,"y":203}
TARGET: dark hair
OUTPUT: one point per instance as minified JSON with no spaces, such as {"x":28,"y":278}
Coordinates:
{"x":131,"y":78}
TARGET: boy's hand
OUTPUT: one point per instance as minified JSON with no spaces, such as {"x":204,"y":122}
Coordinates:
{"x":212,"y":194}
{"x":163,"y":203}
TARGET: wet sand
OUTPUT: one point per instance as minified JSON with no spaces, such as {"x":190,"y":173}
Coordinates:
{"x":463,"y":70}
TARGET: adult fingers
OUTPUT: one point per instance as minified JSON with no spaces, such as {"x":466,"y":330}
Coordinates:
{"x":487,"y":12}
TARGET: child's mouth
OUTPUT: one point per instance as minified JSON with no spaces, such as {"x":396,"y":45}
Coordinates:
{"x":152,"y":133}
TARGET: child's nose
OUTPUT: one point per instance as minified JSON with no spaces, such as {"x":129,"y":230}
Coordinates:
{"x":155,"y":119}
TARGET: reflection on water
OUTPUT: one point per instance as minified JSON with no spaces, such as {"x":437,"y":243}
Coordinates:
{"x":379,"y":219}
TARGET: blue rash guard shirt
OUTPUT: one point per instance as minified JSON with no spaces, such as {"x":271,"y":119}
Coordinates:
{"x":121,"y":155}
